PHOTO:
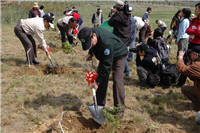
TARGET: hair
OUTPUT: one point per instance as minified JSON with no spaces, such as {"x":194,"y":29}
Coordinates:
{"x":198,"y":4}
{"x":156,"y":21}
{"x":66,"y":7}
{"x":41,"y":7}
{"x":121,"y":8}
{"x":157,"y":32}
{"x":51,"y":14}
{"x":149,"y":8}
{"x":176,"y":15}
{"x":187,"y":12}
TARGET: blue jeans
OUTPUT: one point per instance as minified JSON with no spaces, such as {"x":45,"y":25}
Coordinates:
{"x":126,"y":70}
{"x":131,"y":54}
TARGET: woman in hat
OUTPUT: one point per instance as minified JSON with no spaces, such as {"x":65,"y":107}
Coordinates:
{"x":34,"y":12}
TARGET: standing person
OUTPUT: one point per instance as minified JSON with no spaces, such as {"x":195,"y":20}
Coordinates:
{"x":111,"y":53}
{"x":65,"y":25}
{"x":193,"y":30}
{"x":74,"y":10}
{"x":161,"y":25}
{"x":141,"y":27}
{"x":145,"y":18}
{"x":28,"y":27}
{"x":182,"y":38}
{"x":133,"y":37}
{"x":34,"y":12}
{"x":49,"y":15}
{"x":41,"y":11}
{"x":97,"y":18}
{"x":111,"y":12}
{"x":79,"y":20}
{"x":175,"y":23}
{"x":121,"y":24}
{"x":193,"y":72}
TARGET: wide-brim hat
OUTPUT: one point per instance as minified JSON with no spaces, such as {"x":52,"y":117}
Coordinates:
{"x":35,"y":4}
{"x":85,"y":36}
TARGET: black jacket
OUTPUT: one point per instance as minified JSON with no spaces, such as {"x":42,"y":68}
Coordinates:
{"x":149,"y":61}
{"x":122,"y":27}
{"x":32,"y":14}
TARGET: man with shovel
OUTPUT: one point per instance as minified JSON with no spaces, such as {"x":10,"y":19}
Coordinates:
{"x":28,"y":27}
{"x":111,"y":53}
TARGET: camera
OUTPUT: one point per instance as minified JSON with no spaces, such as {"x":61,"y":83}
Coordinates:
{"x":135,"y":50}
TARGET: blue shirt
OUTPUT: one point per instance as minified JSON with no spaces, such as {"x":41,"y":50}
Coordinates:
{"x":182,"y":28}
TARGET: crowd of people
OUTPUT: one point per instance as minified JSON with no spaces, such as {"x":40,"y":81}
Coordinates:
{"x":112,"y":49}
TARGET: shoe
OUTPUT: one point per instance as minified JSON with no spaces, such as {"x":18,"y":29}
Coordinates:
{"x":35,"y":62}
{"x":32,"y":63}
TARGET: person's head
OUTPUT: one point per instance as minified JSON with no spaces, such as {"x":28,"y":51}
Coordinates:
{"x":41,"y":7}
{"x":178,"y":13}
{"x":99,"y":10}
{"x":52,"y":15}
{"x":143,"y":49}
{"x":48,"y":22}
{"x":35,"y":5}
{"x":88,"y":38}
{"x":112,"y":9}
{"x":157,"y":33}
{"x":72,"y":21}
{"x":197,"y":9}
{"x":186,"y":12}
{"x":119,"y":5}
{"x":194,"y":53}
{"x":66,"y":9}
{"x":156,"y":21}
{"x":149,"y":10}
{"x":73,"y":8}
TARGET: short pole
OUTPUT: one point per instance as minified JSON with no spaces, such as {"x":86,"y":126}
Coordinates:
{"x":28,"y":57}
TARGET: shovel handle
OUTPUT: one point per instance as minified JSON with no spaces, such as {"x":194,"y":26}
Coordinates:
{"x":94,"y":92}
{"x":95,"y":99}
{"x":50,"y":59}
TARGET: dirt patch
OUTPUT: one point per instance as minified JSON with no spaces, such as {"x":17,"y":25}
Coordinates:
{"x":45,"y":70}
{"x":53,"y":48}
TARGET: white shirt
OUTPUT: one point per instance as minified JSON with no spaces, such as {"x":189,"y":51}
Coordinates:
{"x":161,"y":23}
{"x":139,"y":22}
{"x":41,"y":13}
{"x":35,"y":26}
{"x":65,"y":19}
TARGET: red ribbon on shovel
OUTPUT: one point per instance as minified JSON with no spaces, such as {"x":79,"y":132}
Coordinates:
{"x":91,"y":77}
{"x":47,"y":48}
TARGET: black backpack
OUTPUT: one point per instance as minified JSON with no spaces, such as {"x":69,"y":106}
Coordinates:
{"x":169,"y":74}
{"x":160,"y":46}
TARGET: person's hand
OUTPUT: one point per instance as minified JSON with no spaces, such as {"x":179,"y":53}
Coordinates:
{"x":88,"y":57}
{"x":181,"y":54}
{"x":48,"y":54}
{"x":94,"y":85}
{"x":137,"y":45}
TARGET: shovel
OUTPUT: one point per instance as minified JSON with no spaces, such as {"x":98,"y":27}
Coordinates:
{"x":95,"y":110}
{"x":52,"y":64}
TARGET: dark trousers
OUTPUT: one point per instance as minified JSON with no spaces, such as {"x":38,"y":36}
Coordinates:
{"x":142,"y":33}
{"x":63,"y":35}
{"x":183,"y":78}
{"x":118,"y":85}
{"x":163,"y":29}
{"x":27,"y":41}
{"x":189,"y":92}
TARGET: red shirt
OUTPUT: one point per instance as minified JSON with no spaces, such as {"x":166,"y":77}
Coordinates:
{"x":193,"y":31}
{"x":76,"y":15}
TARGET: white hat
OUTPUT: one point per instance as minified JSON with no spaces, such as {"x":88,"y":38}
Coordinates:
{"x":119,"y":3}
{"x":69,"y":12}
{"x":35,"y":4}
{"x":192,"y":15}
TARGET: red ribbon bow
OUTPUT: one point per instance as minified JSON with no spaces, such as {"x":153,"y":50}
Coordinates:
{"x":47,"y":48}
{"x":91,"y":77}
{"x":75,"y":32}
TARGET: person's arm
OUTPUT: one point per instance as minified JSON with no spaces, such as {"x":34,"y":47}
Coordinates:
{"x":112,"y":21}
{"x":172,"y":22}
{"x":101,"y":18}
{"x":181,"y":30}
{"x":93,"y":16}
{"x":145,"y":16}
{"x":191,"y":31}
{"x":30,"y":14}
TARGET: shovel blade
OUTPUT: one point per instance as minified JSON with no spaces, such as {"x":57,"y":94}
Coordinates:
{"x":97,"y":115}
{"x":53,"y":65}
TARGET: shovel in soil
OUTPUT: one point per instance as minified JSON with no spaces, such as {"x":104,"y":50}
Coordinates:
{"x":96,"y":112}
{"x":52,"y":64}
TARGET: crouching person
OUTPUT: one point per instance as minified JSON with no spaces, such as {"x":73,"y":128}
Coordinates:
{"x":148,"y":65}
{"x":193,"y":72}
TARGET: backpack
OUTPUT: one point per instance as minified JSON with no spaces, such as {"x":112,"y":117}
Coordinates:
{"x":169,"y":74}
{"x":127,"y":8}
{"x":160,"y":46}
{"x":153,"y":79}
